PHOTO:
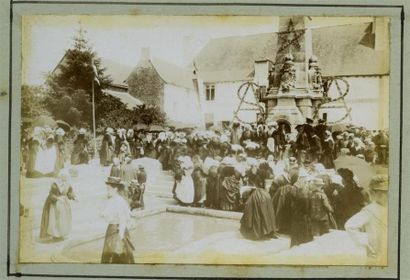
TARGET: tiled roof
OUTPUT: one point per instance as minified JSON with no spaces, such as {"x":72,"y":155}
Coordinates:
{"x":342,"y":50}
{"x":173,"y":74}
{"x":118,"y":72}
{"x":125,"y":98}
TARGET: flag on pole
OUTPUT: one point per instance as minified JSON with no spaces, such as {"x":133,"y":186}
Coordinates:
{"x":95,"y":72}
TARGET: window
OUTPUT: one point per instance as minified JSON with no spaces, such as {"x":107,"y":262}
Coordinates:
{"x":210,"y":92}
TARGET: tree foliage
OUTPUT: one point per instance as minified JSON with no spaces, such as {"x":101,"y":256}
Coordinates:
{"x":32,"y":102}
{"x":69,"y":96}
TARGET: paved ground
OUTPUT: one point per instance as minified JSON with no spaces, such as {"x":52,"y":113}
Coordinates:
{"x":185,"y":239}
{"x":91,"y":193}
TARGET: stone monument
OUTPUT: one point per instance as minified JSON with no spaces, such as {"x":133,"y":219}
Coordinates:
{"x":295,"y":88}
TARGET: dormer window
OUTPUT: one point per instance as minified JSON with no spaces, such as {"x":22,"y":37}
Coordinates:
{"x":210,"y":92}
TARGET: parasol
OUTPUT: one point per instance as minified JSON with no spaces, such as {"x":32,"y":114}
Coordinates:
{"x":44,"y":121}
{"x":180,"y":125}
{"x":156,"y":128}
{"x":63,"y":125}
{"x":338,"y":127}
{"x":236,"y":148}
{"x":362,"y":169}
{"x":140,"y":126}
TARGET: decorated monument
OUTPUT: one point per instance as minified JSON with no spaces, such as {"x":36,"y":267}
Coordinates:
{"x":295,"y":88}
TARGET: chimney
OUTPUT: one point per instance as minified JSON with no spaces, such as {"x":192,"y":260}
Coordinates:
{"x":262,"y":72}
{"x":145,"y":53}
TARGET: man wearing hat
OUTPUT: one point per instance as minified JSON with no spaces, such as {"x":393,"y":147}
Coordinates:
{"x":319,"y":208}
{"x":321,"y":129}
{"x":315,"y":145}
{"x":302,"y":143}
{"x":368,"y":228}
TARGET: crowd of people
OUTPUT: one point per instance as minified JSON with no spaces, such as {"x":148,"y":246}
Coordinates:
{"x":260,"y":166}
{"x":284,"y":182}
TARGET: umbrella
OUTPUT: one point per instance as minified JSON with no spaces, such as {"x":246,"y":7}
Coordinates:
{"x":44,"y":121}
{"x":141,"y":126}
{"x":362,"y":169}
{"x":155,"y":128}
{"x":180,"y":125}
{"x":338,"y":127}
{"x":63,"y":125}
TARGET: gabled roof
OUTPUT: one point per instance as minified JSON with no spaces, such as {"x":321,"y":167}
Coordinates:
{"x":348,"y":50}
{"x":173,"y":74}
{"x":118,"y":72}
{"x":232,"y":58}
{"x":130,"y":101}
{"x":169,"y":72}
{"x":342,"y":50}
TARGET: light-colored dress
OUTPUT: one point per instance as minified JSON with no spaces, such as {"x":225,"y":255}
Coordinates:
{"x":46,"y":160}
{"x":116,"y":249}
{"x":368,"y":228}
{"x":185,"y":191}
{"x":56,"y":217}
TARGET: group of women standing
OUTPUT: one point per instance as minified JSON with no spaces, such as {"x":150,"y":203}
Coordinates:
{"x":45,"y":149}
{"x":57,"y":218}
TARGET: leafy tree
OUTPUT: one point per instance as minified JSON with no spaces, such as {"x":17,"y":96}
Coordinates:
{"x":32,"y":102}
{"x":150,"y":115}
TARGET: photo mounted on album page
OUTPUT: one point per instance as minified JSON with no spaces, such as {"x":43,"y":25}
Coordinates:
{"x":204,"y":139}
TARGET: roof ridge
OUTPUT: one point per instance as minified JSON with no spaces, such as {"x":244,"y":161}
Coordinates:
{"x":341,"y":25}
{"x":241,"y":36}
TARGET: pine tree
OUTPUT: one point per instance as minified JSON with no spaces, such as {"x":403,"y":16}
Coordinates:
{"x":75,"y":70}
{"x":70,"y":84}
{"x":70,"y":90}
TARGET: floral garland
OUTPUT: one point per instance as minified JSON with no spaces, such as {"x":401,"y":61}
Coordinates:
{"x":341,"y":97}
{"x":242,"y":98}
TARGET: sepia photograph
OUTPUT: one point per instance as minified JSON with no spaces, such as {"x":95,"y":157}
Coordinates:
{"x":212,"y":140}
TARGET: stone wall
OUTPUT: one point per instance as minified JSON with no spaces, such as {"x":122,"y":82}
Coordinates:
{"x":145,"y":84}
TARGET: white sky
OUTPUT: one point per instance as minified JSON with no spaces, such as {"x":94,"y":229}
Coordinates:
{"x":120,"y":38}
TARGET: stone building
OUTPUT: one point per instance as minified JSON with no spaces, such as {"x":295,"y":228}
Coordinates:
{"x":168,"y":86}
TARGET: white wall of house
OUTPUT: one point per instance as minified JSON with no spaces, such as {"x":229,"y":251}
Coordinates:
{"x":368,"y":98}
{"x":226,"y":102}
{"x":181,"y":104}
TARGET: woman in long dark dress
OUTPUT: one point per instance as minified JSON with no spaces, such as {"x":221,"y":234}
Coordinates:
{"x":258,"y":219}
{"x":229,"y":189}
{"x":107,"y":149}
{"x":59,"y":140}
{"x":117,"y":245}
{"x":281,"y":203}
{"x":80,"y":151}
{"x":56,"y":217}
{"x":300,"y":224}
{"x":34,"y":146}
{"x":328,"y":147}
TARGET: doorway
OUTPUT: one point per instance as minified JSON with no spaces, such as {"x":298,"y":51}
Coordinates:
{"x":285,"y":123}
